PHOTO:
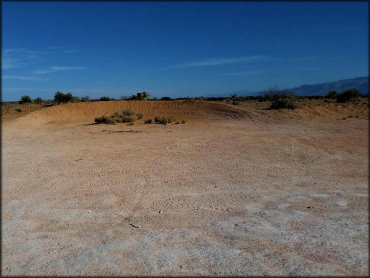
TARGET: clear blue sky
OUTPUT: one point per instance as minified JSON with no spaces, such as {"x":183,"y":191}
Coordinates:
{"x":180,"y":48}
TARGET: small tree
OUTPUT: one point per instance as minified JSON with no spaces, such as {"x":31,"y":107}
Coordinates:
{"x":38,"y":100}
{"x":145,"y":95}
{"x":349,"y":95}
{"x":331,"y":95}
{"x":85,"y":99}
{"x":59,"y":97}
{"x":26,"y":99}
{"x":286,"y":100}
{"x":105,"y":98}
{"x":75,"y":99}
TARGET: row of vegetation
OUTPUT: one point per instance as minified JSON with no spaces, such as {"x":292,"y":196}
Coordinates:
{"x":284,"y":99}
{"x":279,"y":98}
{"x":129,"y":116}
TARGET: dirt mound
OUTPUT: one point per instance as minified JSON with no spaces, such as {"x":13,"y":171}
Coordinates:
{"x":84,"y":113}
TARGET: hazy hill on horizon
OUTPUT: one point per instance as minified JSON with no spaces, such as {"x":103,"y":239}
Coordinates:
{"x":321,"y":89}
{"x":360,"y":83}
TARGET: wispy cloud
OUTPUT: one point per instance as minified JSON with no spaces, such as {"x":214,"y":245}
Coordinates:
{"x":308,"y":69}
{"x":18,"y":57}
{"x":71,"y":51}
{"x":56,"y":69}
{"x":25,"y":77}
{"x":250,"y":72}
{"x":219,"y":61}
{"x":37,"y":75}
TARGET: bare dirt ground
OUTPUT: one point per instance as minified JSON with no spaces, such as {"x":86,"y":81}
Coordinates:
{"x":234,"y":191}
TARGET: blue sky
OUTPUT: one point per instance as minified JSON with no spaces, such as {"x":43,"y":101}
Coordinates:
{"x":180,"y":48}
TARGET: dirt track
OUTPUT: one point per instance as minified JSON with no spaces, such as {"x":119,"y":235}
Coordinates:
{"x":234,"y":191}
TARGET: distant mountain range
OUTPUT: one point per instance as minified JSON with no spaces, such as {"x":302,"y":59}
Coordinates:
{"x":321,"y":89}
{"x":360,"y":83}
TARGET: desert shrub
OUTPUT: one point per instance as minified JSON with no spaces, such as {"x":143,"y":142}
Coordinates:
{"x":26,"y":99}
{"x":105,"y":98}
{"x":127,"y":116}
{"x":284,"y":101}
{"x":170,"y":120}
{"x":85,"y":99}
{"x":165,"y":98}
{"x":139,"y":116}
{"x":59,"y":97}
{"x":157,"y":119}
{"x":183,"y":121}
{"x":331,"y":95}
{"x":130,"y":124}
{"x":149,"y":121}
{"x":235,"y":102}
{"x":75,"y":99}
{"x":161,"y":120}
{"x":105,"y":119}
{"x":272,"y":94}
{"x":140,"y":96}
{"x":177,"y":123}
{"x":18,"y":110}
{"x":128,"y":119}
{"x":38,"y":100}
{"x":348,"y":95}
{"x":128,"y":112}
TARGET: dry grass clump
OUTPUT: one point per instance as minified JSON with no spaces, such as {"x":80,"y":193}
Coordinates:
{"x":126,"y":116}
{"x":165,"y":121}
{"x":105,"y":120}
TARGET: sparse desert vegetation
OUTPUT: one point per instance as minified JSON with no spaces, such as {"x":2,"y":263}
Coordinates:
{"x":126,"y":116}
{"x":185,"y":139}
{"x":200,"y":178}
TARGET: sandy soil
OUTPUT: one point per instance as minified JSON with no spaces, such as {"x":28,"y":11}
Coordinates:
{"x":234,"y":191}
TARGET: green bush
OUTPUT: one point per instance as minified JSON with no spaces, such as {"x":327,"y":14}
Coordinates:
{"x":149,"y":121}
{"x":85,"y":99}
{"x":139,"y":116}
{"x":349,"y":95}
{"x":331,"y":95}
{"x":75,"y":99}
{"x":284,"y":101}
{"x":140,"y":96}
{"x":59,"y":97}
{"x":105,"y":98}
{"x":25,"y":99}
{"x":183,"y":121}
{"x":38,"y":100}
{"x":235,"y":102}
